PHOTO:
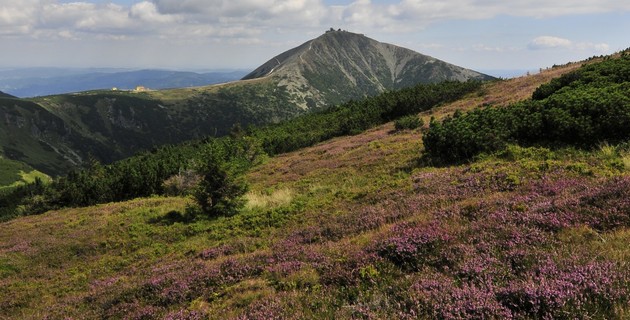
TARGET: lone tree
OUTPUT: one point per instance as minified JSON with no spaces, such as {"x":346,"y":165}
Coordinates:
{"x":221,"y":187}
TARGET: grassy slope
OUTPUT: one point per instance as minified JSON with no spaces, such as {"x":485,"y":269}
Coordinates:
{"x":56,"y":133}
{"x":14,"y":173}
{"x":318,"y":213}
{"x":509,"y":91}
{"x":4,"y":95}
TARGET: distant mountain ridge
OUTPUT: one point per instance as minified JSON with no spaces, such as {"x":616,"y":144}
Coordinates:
{"x":43,"y":82}
{"x":56,"y":133}
{"x":340,"y":65}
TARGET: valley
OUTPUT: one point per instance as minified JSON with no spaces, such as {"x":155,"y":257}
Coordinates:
{"x":58,"y":133}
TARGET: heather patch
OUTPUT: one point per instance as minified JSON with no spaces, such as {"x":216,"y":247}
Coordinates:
{"x":452,"y":243}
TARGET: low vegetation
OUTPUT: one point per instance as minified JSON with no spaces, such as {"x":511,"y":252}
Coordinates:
{"x":409,"y":122}
{"x":356,"y":116}
{"x":583,"y":108}
{"x":357,"y":227}
{"x":221,"y":161}
{"x":14,"y":173}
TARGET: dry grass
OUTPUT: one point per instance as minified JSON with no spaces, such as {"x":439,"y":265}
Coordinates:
{"x":366,"y":153}
{"x":607,"y":151}
{"x":369,"y":150}
{"x":625,"y":158}
{"x":277,"y":198}
{"x":503,"y":93}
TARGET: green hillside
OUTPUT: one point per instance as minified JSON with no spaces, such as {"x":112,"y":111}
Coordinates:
{"x":145,"y":173}
{"x":5,"y":95}
{"x":56,"y":134}
{"x":13,"y":173}
{"x":339,"y":65}
{"x":584,"y":108}
{"x":365,"y":226}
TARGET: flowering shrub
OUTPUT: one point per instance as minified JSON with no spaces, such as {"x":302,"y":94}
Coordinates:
{"x":270,"y":309}
{"x":185,"y":315}
{"x":571,"y":290}
{"x":608,"y":206}
{"x":234,"y":270}
{"x":499,"y":265}
{"x":414,"y":246}
{"x":455,"y":243}
{"x":439,"y":297}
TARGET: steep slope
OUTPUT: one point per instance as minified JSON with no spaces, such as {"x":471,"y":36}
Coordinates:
{"x":57,"y":133}
{"x":351,"y":228}
{"x":341,"y":65}
{"x":14,"y":173}
{"x":4,"y":95}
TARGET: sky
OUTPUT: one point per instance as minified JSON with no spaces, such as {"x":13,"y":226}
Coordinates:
{"x":243,"y":34}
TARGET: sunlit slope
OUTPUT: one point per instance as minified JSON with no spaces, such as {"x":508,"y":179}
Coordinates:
{"x":355,"y":227}
{"x":341,"y":65}
{"x":55,"y":134}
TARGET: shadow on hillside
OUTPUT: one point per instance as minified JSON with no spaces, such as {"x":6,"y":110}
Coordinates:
{"x":173,"y":217}
{"x":425,"y":161}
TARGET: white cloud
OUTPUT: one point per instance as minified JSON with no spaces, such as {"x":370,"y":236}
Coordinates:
{"x":16,"y":18}
{"x":257,"y":12}
{"x":550,"y":42}
{"x":487,"y":48}
{"x":266,"y":23}
{"x":479,"y":9}
{"x":148,"y":12}
{"x":161,"y":17}
{"x":597,"y":47}
{"x":547,"y":42}
{"x":417,"y":14}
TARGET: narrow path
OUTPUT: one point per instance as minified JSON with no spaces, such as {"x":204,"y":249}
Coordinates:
{"x":274,"y":68}
{"x":310,"y":47}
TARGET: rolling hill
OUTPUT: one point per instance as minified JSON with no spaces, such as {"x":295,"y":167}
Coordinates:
{"x":55,"y":134}
{"x":358,"y":227}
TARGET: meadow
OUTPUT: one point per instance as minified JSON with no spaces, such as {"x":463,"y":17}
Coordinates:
{"x":362,"y":226}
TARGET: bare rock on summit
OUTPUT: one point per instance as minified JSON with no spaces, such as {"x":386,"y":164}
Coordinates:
{"x":341,"y":65}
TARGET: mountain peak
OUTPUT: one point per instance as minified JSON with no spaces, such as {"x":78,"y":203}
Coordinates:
{"x":340,"y":64}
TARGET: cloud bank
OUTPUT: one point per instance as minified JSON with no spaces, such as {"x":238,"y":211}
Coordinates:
{"x":550,"y":42}
{"x":234,"y":18}
{"x":200,"y":33}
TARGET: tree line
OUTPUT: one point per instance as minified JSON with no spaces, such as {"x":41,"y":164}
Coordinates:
{"x":211,"y":169}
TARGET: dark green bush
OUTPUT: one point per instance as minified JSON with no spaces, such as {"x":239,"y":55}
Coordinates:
{"x":408,"y":123}
{"x":220,"y":162}
{"x":356,"y":116}
{"x":582,"y":109}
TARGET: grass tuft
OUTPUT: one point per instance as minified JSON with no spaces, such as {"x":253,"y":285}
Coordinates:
{"x":607,"y":151}
{"x":276,"y":198}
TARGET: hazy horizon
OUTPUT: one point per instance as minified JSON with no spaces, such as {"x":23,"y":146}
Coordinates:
{"x":221,"y":34}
